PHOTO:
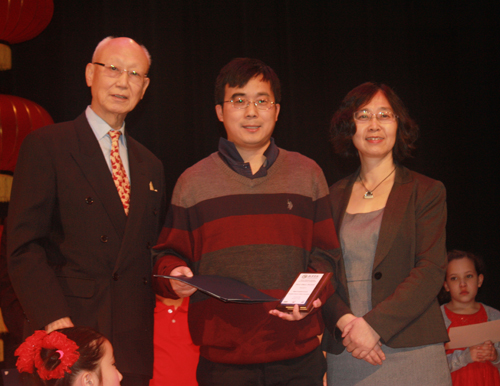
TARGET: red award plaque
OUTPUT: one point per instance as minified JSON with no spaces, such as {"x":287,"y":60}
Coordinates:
{"x":304,"y":291}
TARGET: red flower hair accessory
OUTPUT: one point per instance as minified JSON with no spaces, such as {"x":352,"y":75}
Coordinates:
{"x":29,"y":354}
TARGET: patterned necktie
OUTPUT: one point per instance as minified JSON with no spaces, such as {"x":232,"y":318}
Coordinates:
{"x":119,"y":174}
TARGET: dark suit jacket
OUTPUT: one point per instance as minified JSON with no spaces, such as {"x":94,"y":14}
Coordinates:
{"x":410,"y":262}
{"x":72,"y":250}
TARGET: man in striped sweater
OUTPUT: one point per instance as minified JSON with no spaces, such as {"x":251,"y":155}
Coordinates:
{"x":258,"y":214}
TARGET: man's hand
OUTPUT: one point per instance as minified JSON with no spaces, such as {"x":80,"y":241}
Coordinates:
{"x":59,"y":323}
{"x":296,"y":314}
{"x":361,"y":340}
{"x":182,"y":290}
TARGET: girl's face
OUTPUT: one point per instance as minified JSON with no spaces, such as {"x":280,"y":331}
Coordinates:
{"x":462,"y":280}
{"x":109,"y":373}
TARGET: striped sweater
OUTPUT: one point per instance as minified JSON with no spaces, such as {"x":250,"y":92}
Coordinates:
{"x":261,"y":231}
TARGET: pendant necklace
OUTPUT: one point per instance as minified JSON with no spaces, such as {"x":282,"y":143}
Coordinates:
{"x":369,"y":193}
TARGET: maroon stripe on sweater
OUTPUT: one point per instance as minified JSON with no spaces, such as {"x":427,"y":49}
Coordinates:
{"x":253,"y":230}
{"x":247,"y":204}
{"x":182,"y":238}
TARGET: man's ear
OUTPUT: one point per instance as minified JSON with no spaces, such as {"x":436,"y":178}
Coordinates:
{"x":145,"y":86}
{"x":89,"y":74}
{"x":220,"y":114}
{"x":277,"y":107}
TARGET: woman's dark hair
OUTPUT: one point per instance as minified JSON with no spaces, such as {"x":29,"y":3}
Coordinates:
{"x":455,"y":254}
{"x":343,"y":127}
{"x":239,"y":71}
{"x":91,"y":348}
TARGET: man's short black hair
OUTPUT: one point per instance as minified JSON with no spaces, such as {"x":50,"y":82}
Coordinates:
{"x":239,"y":71}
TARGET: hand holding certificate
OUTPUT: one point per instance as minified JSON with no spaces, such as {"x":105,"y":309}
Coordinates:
{"x":304,"y":291}
{"x":223,"y":288}
{"x":302,"y":297}
{"x":182,"y":289}
{"x":473,"y":334}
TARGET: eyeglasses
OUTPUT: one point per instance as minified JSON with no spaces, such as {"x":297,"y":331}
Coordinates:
{"x":243,"y":103}
{"x":382,"y":116}
{"x":112,"y":71}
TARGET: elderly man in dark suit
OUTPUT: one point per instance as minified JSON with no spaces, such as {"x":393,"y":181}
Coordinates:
{"x":87,"y":204}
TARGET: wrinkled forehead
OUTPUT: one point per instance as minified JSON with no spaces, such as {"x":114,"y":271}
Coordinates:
{"x":122,"y":52}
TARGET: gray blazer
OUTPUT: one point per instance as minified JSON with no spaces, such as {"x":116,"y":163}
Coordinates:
{"x":409,"y":266}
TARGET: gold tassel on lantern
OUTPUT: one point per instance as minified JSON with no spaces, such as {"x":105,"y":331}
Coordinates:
{"x":5,"y":187}
{"x":21,"y":20}
{"x":5,"y":57}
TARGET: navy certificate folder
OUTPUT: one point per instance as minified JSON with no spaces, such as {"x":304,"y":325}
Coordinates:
{"x":224,"y":288}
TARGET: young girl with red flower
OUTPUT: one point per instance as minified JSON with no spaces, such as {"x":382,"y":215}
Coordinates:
{"x":476,"y":365}
{"x":76,"y":356}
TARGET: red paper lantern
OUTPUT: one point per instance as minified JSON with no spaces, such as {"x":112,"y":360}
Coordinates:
{"x":18,"y":117}
{"x":21,"y":20}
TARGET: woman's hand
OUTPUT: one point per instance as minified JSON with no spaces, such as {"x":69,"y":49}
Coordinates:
{"x":360,"y":339}
{"x":344,"y":321}
{"x":376,"y":356}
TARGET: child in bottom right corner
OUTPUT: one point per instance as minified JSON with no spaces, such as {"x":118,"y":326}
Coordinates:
{"x":480,"y":364}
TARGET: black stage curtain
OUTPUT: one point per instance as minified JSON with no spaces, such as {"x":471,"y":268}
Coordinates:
{"x":441,"y":59}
